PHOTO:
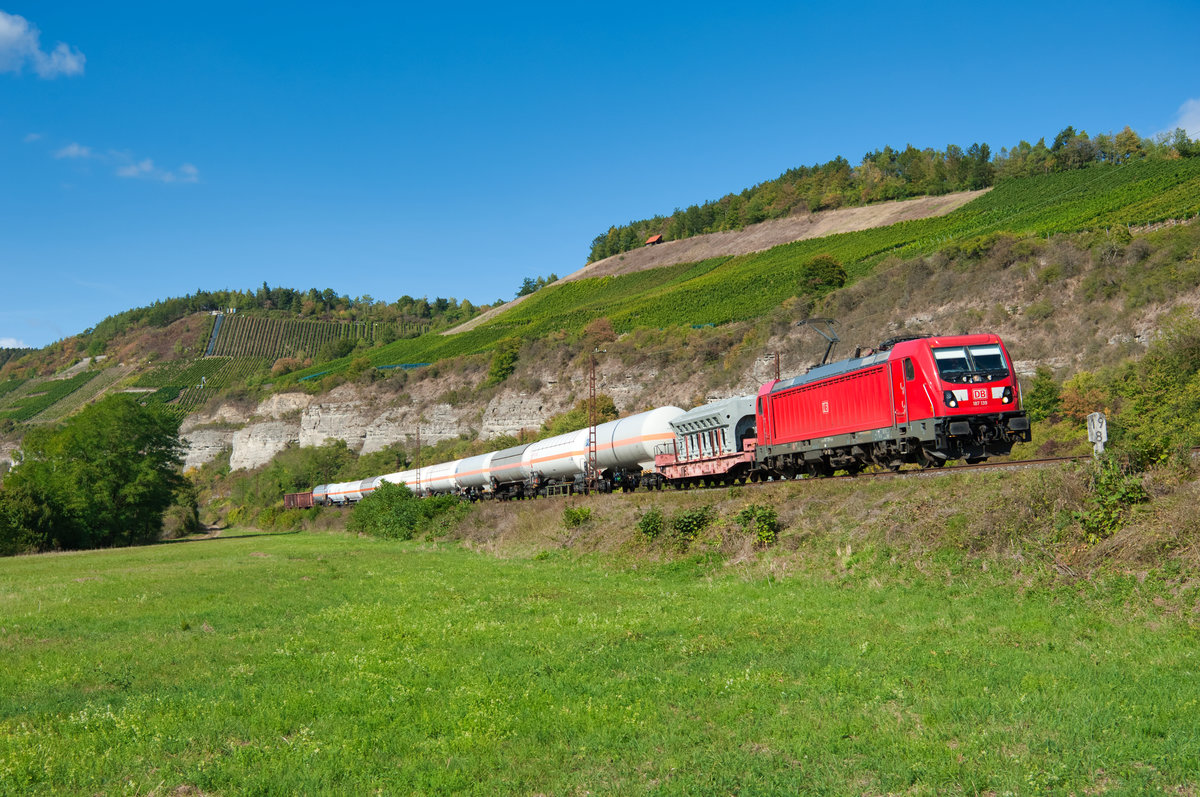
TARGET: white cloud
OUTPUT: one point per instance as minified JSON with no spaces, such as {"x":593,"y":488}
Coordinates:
{"x":1189,"y":118}
{"x":12,"y":343}
{"x":74,"y":150}
{"x":146,"y":170}
{"x":140,"y":169}
{"x":20,"y":46}
{"x":128,"y":166}
{"x":32,"y":137}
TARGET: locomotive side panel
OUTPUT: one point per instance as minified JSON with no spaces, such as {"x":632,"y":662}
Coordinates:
{"x":854,"y":402}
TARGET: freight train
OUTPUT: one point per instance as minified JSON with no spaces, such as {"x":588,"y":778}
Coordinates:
{"x":921,"y":401}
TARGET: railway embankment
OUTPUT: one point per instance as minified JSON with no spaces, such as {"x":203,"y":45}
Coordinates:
{"x":1029,"y":522}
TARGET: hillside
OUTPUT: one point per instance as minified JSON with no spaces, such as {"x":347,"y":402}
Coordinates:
{"x":754,"y":238}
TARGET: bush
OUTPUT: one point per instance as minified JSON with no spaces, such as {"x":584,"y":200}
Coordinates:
{"x":1042,"y":399}
{"x":651,"y":523}
{"x":821,"y":274}
{"x":762,"y":521}
{"x":504,"y":360}
{"x":687,"y":525}
{"x":575,"y":516}
{"x":1115,"y":491}
{"x":392,"y":511}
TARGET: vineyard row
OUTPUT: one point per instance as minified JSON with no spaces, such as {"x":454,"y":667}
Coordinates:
{"x":258,"y":336}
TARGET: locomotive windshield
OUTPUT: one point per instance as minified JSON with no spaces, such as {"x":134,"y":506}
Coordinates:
{"x":971,"y":363}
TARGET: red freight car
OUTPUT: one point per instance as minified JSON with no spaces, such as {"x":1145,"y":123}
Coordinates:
{"x":922,"y":400}
{"x":298,"y":500}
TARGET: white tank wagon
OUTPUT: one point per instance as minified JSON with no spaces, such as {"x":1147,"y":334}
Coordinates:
{"x":624,"y":458}
{"x":474,"y":475}
{"x":628,"y":442}
{"x":509,"y":472}
{"x":344,"y":492}
{"x":624,"y":453}
{"x":437,"y":479}
{"x":559,"y":459}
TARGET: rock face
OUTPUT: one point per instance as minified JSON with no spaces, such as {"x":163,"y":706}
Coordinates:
{"x":509,"y":413}
{"x":204,"y":445}
{"x":255,"y":444}
{"x":371,"y":417}
{"x":365,"y":419}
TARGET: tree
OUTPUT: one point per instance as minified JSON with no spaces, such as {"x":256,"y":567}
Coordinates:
{"x":1043,"y":397}
{"x":504,"y":360}
{"x":981,"y":173}
{"x":1127,"y":145}
{"x":578,"y":416}
{"x":821,"y":274}
{"x":104,"y":478}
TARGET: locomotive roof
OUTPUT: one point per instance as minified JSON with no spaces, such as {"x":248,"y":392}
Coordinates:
{"x":833,"y":369}
{"x":880,"y":356}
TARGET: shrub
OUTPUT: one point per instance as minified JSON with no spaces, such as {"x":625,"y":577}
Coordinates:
{"x":1042,"y":399}
{"x":504,"y":360}
{"x":687,"y":525}
{"x":575,"y":516}
{"x":821,"y":274}
{"x":392,"y":511}
{"x":1115,"y":491}
{"x":762,"y":521}
{"x":651,"y":523}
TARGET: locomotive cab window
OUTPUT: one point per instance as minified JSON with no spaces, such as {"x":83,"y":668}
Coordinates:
{"x":983,"y":363}
{"x":909,"y":373}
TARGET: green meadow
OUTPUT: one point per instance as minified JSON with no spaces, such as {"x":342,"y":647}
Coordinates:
{"x":323,"y":663}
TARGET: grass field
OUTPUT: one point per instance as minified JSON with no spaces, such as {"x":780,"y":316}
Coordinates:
{"x":326,"y":663}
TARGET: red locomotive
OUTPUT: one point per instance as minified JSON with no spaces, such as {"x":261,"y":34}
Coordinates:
{"x":915,"y":400}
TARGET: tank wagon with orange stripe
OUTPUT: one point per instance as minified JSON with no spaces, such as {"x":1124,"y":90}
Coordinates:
{"x":624,"y":460}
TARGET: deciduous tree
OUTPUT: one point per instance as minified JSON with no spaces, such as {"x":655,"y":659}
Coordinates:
{"x":103,"y":478}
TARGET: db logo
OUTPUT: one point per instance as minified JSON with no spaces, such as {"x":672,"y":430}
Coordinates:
{"x":825,"y":407}
{"x":979,"y":394}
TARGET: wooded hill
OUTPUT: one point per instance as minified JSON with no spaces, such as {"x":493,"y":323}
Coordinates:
{"x":886,"y":174}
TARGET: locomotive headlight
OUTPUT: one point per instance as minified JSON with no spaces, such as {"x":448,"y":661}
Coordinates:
{"x":949,"y":398}
{"x":1007,"y":396}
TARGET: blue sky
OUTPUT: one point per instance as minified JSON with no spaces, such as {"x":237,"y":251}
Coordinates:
{"x":151,"y":149}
